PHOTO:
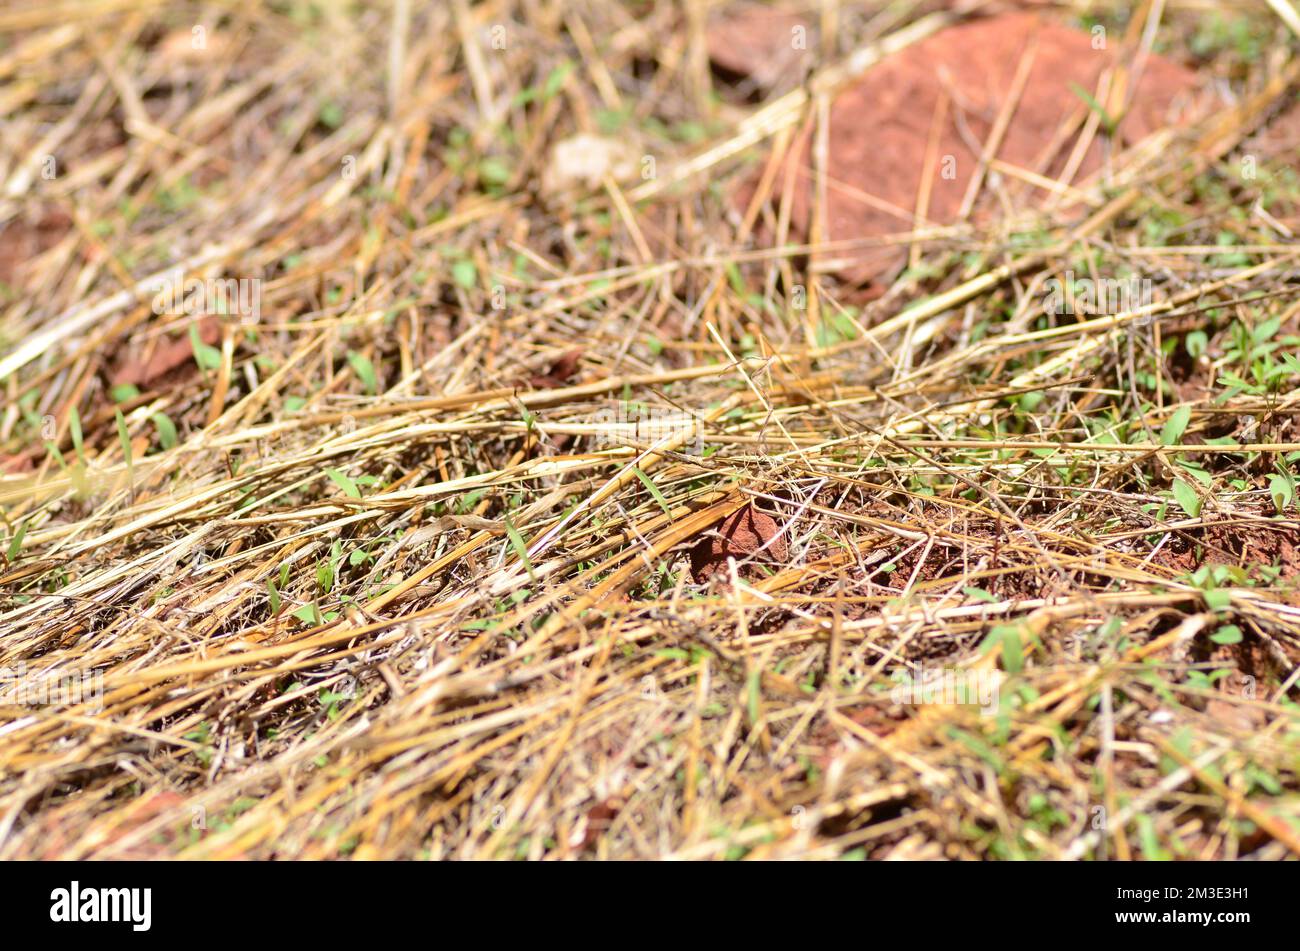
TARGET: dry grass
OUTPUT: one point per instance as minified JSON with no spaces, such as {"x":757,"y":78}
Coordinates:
{"x":399,"y":586}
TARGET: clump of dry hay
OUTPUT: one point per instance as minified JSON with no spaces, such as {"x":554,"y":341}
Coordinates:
{"x":398,"y":565}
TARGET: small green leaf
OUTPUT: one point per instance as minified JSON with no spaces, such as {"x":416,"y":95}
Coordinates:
{"x":1265,"y":331}
{"x":330,"y":115}
{"x":74,"y":427}
{"x":754,"y":696}
{"x":166,"y":430}
{"x":343,"y":482}
{"x":53,"y":450}
{"x":1187,"y":498}
{"x":16,"y":543}
{"x":308,"y":614}
{"x":1175,"y":426}
{"x":517,"y":543}
{"x":365,"y":371}
{"x":555,"y":81}
{"x":1217,"y":600}
{"x":123,"y":437}
{"x":1282,"y":491}
{"x":1200,"y":475}
{"x":1107,"y":122}
{"x":464,"y":273}
{"x":653,"y":490}
{"x":325,"y":577}
{"x":1013,"y":653}
{"x":1228,"y":634}
{"x":208,"y":358}
{"x":273,"y":594}
{"x":494,"y":171}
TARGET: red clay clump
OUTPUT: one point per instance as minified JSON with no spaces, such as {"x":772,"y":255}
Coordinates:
{"x":560,"y":373}
{"x":762,"y":43}
{"x":165,"y":357}
{"x":880,"y":128}
{"x":24,"y":238}
{"x":739,"y":535}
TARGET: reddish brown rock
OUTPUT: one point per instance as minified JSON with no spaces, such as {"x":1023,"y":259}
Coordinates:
{"x":880,"y":127}
{"x":738,"y":536}
{"x":27,"y":236}
{"x":762,"y":43}
{"x":163,"y":358}
{"x":560,"y":373}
